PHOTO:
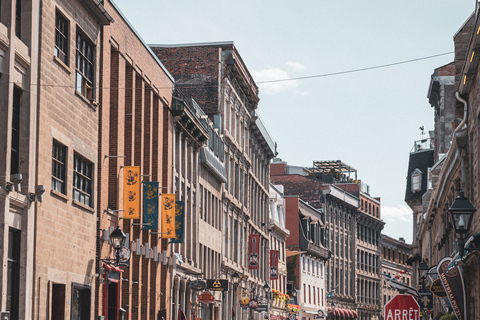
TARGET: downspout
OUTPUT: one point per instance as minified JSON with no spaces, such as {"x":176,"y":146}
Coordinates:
{"x":457,"y":153}
{"x":464,"y":121}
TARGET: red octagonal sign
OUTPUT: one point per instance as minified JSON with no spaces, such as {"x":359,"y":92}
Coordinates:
{"x":402,"y":307}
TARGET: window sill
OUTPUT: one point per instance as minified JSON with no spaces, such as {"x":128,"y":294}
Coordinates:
{"x":62,"y":64}
{"x":92,"y":104}
{"x":81,"y":205}
{"x":59,"y":194}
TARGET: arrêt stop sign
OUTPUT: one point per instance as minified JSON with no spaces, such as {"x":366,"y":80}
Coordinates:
{"x":402,"y":307}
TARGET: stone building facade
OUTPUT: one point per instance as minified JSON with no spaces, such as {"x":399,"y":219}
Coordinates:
{"x":135,"y":128}
{"x":456,"y":171}
{"x":278,"y":236}
{"x":215,"y":76}
{"x":394,"y":256}
{"x":337,"y":196}
{"x":368,"y":246}
{"x":67,"y":158}
{"x":18,"y":145}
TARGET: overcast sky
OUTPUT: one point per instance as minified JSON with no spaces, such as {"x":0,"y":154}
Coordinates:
{"x":368,"y":119}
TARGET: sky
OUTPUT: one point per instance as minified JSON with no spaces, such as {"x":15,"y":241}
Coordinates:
{"x":369,"y":119}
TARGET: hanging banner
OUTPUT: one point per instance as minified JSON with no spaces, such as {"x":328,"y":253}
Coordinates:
{"x":253,"y":245}
{"x":273,"y":264}
{"x":452,"y":281}
{"x":168,"y":216}
{"x":438,"y":290}
{"x":150,"y":205}
{"x":131,"y":193}
{"x":179,"y":222}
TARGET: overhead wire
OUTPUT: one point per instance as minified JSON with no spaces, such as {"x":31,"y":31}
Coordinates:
{"x":268,"y":81}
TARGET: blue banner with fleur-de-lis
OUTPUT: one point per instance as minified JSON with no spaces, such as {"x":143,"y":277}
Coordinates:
{"x":179,"y":222}
{"x":150,"y":205}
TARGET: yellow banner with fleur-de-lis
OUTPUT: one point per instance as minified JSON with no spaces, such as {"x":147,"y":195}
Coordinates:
{"x":168,"y":215}
{"x":131,"y":193}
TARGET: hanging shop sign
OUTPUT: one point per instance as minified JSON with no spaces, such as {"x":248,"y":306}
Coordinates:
{"x":206,"y":297}
{"x":253,"y":304}
{"x":217,"y":284}
{"x":452,"y":280}
{"x":292,"y":316}
{"x":320,"y":315}
{"x":244,"y":299}
{"x":437,"y":288}
{"x":434,"y":276}
{"x":198,"y":285}
{"x":261,"y":308}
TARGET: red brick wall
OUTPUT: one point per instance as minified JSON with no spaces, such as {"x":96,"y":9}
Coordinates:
{"x":135,"y":123}
{"x":277,"y":169}
{"x":309,"y":189}
{"x":196,"y":71}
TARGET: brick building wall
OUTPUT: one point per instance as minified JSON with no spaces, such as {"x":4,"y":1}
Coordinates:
{"x":135,"y":130}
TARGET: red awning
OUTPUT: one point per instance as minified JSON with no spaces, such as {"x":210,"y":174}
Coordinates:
{"x":351,"y":314}
{"x":329,"y":310}
{"x":355,"y":314}
{"x":341,"y":312}
{"x":335,"y":312}
{"x":112,"y":268}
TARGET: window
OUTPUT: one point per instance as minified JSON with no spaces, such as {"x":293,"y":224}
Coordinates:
{"x":416,"y":180}
{"x":13,"y":273}
{"x":82,"y":181}
{"x":14,"y":151}
{"x":84,"y":66}
{"x":61,"y":37}
{"x":59,"y":159}
{"x":80,"y":303}
{"x":18,"y":19}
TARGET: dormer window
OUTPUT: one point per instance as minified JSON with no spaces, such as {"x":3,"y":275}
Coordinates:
{"x":416,"y":180}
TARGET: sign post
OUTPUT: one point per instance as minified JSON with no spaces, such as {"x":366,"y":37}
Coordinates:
{"x":402,"y":307}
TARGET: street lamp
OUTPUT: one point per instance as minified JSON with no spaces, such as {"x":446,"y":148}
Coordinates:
{"x":422,"y":273}
{"x":266,"y":288}
{"x":462,"y":212}
{"x":236,"y":280}
{"x":117,"y":240}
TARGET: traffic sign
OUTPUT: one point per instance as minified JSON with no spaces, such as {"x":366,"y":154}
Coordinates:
{"x":402,"y":307}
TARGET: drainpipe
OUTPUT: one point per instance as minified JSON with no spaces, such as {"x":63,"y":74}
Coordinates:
{"x":457,"y":152}
{"x":465,"y":111}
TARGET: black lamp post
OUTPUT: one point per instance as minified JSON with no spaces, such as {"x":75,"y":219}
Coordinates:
{"x":266,"y":288}
{"x":422,"y":273}
{"x":462,"y":212}
{"x":117,"y":240}
{"x":235,"y":279}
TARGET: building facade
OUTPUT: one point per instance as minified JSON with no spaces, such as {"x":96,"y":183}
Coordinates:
{"x":18,"y":145}
{"x":455,"y":172}
{"x":67,"y":158}
{"x":307,"y":269}
{"x":135,"y":129}
{"x":219,"y":81}
{"x":278,"y":236}
{"x":394,"y":256}
{"x":368,"y":246}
